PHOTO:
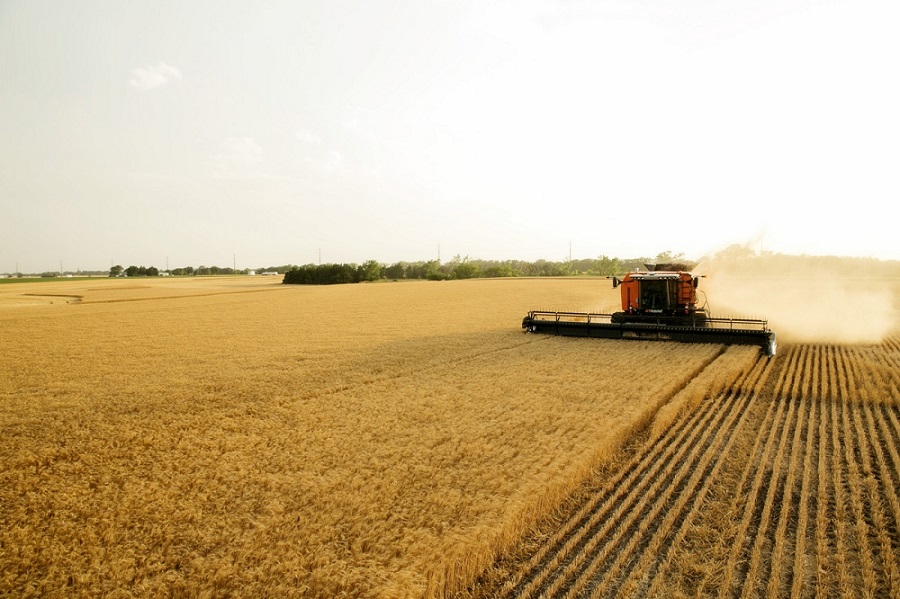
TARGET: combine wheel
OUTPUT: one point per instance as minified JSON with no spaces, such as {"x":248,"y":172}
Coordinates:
{"x":772,"y":345}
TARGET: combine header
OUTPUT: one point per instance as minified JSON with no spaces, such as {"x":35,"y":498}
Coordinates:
{"x":657,"y":304}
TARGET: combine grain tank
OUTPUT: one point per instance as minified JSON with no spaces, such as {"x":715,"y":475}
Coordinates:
{"x":656,"y":304}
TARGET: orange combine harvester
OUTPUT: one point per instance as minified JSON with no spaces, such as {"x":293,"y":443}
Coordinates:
{"x":660,"y":303}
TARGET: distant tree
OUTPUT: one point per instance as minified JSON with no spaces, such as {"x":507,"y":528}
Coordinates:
{"x":418,"y":270}
{"x":368,"y":271}
{"x":504,"y":269}
{"x":604,"y":267}
{"x":394,"y":271}
{"x":671,"y":261}
{"x":432,"y":271}
{"x":298,"y":275}
{"x":142,"y":271}
{"x":345,"y":273}
{"x":463,"y":268}
{"x":116,"y":271}
{"x":544,"y":268}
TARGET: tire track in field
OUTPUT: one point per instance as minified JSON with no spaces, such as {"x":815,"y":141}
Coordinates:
{"x":339,"y":383}
{"x":70,"y":299}
{"x":120,"y":300}
{"x":626,"y":530}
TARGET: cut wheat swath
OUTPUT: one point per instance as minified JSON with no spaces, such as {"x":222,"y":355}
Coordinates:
{"x":799,"y":501}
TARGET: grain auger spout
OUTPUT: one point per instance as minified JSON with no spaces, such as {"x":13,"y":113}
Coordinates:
{"x":657,"y":304}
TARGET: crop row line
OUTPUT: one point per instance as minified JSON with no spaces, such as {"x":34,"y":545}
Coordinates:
{"x":563,"y":549}
{"x":826,"y":478}
{"x":647,"y":501}
{"x":688,"y":481}
{"x":874,"y":471}
{"x":751,"y":485}
{"x":772,"y":458}
{"x":658,"y":556}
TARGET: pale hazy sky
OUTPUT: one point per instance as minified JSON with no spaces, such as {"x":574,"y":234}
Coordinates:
{"x":268,"y":132}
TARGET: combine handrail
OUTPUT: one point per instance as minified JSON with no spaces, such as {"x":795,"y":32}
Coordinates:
{"x":763,"y":324}
{"x":711,"y":322}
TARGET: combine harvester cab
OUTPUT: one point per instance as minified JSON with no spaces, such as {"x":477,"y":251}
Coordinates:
{"x":657,"y":304}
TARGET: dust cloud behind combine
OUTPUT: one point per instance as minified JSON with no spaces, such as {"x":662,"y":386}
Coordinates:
{"x":806,"y":299}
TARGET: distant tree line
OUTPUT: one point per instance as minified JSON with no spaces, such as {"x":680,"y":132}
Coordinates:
{"x":434,"y":270}
{"x":133,"y":271}
{"x":461,"y":268}
{"x":331,"y":274}
{"x":466,"y":268}
{"x":201,"y":271}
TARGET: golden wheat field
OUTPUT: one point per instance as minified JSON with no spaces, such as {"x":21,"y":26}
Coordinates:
{"x":237,"y":437}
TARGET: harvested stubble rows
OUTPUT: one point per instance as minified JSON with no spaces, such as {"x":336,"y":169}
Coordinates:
{"x":367,"y":440}
{"x":781,"y":483}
